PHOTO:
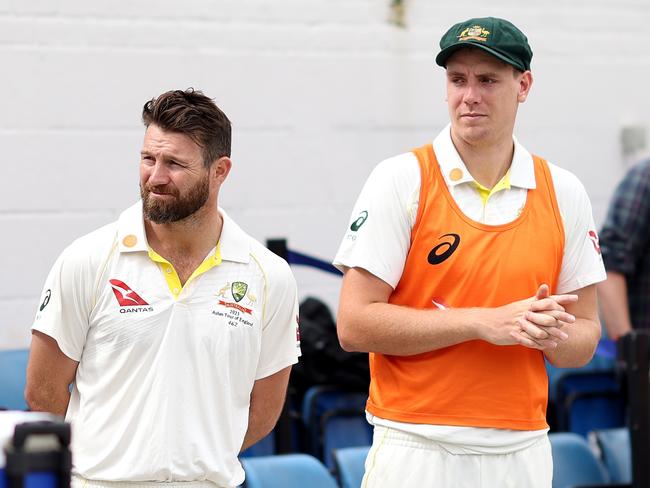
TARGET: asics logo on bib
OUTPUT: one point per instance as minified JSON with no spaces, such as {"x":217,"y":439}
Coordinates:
{"x":445,"y":249}
{"x":125,"y":295}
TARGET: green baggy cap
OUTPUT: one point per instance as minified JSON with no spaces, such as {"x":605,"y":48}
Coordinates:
{"x":495,"y":36}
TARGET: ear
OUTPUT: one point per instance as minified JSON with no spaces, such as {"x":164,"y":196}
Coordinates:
{"x":525,"y":83}
{"x":220,"y":169}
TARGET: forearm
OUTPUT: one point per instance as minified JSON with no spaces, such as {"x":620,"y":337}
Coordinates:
{"x":367,"y":322}
{"x":579,"y":348}
{"x":612,"y":296}
{"x":402,"y":331}
{"x":583,"y":334}
{"x":267,"y":400}
{"x":259,"y":426}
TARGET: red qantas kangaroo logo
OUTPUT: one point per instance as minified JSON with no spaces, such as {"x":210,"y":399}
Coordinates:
{"x":125,"y":295}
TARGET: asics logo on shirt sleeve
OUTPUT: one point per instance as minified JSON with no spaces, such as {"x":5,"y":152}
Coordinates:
{"x":356,"y":225}
{"x":46,"y":300}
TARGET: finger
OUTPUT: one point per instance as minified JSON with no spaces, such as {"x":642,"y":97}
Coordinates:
{"x":549,"y":343}
{"x":546,"y":304}
{"x":523,"y":339}
{"x":542,"y":292}
{"x":549,"y":318}
{"x":535,"y":332}
{"x":557,"y":333}
{"x":564,"y":299}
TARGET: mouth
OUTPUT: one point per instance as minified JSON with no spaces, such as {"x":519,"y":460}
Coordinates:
{"x":160,"y":193}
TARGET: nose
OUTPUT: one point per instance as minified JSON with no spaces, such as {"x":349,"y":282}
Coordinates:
{"x":158,"y":174}
{"x":472,"y":95}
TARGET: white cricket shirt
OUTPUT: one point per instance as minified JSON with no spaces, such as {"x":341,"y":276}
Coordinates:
{"x":163,"y":386}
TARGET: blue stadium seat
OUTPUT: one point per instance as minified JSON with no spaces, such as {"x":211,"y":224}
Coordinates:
{"x":13,"y":373}
{"x":340,"y":430}
{"x":589,"y":400}
{"x":574,"y":464}
{"x":286,"y":471}
{"x":334,"y":419}
{"x":598,"y":364}
{"x":350,"y":465}
{"x":616,"y":452}
{"x":265,"y":447}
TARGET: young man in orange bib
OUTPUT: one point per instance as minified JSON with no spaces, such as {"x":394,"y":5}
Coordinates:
{"x":468,"y":263}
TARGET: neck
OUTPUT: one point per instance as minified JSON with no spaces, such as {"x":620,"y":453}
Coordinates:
{"x":487,"y":162}
{"x":192,"y":237}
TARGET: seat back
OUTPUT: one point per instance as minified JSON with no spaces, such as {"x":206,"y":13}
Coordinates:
{"x":616,"y":451}
{"x":13,"y":374}
{"x":574,"y":463}
{"x":286,"y":471}
{"x":589,"y":400}
{"x":341,"y":429}
{"x":349,"y":465}
{"x":264,"y":447}
{"x":334,"y":418}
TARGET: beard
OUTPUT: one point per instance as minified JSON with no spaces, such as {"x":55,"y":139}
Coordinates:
{"x":174,"y":210}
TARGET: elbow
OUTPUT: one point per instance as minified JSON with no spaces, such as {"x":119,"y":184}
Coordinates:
{"x":346,"y":344}
{"x":41,"y":398}
{"x":35,"y":398}
{"x":348,"y":338}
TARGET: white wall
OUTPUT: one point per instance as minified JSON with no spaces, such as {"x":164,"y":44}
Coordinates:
{"x":318,"y":91}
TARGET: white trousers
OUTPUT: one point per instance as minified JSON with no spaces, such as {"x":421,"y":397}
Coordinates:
{"x":401,"y":460}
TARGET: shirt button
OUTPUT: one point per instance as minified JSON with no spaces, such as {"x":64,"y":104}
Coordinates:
{"x":176,"y":291}
{"x":456,"y":174}
{"x":168,"y":270}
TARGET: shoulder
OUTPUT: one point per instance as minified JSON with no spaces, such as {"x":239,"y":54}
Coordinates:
{"x":638,"y":176}
{"x":395,"y":180}
{"x":569,"y":190}
{"x":563,"y":178}
{"x":403,"y":167}
{"x":92,"y":248}
{"x":272,"y":265}
{"x":641,"y":169}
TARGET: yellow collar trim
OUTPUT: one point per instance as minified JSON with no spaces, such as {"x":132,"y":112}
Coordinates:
{"x":171,"y":276}
{"x":486,"y":193}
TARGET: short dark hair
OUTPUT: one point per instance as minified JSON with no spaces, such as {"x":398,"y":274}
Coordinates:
{"x":191,"y":113}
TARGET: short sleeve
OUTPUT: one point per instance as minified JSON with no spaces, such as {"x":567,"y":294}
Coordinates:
{"x":625,"y":236}
{"x":66,"y":302}
{"x":582,"y":263}
{"x":378,"y":236}
{"x":280,"y":333}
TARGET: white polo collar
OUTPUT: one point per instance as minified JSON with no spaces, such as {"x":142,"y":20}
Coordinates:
{"x":234,"y":243}
{"x":522,"y":169}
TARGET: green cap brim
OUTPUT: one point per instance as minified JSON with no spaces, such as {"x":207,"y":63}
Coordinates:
{"x":444,"y":55}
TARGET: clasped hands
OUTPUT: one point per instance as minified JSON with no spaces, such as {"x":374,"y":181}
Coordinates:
{"x":540,"y":325}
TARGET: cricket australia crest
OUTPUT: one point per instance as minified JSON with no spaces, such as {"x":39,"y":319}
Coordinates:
{"x":238,"y":290}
